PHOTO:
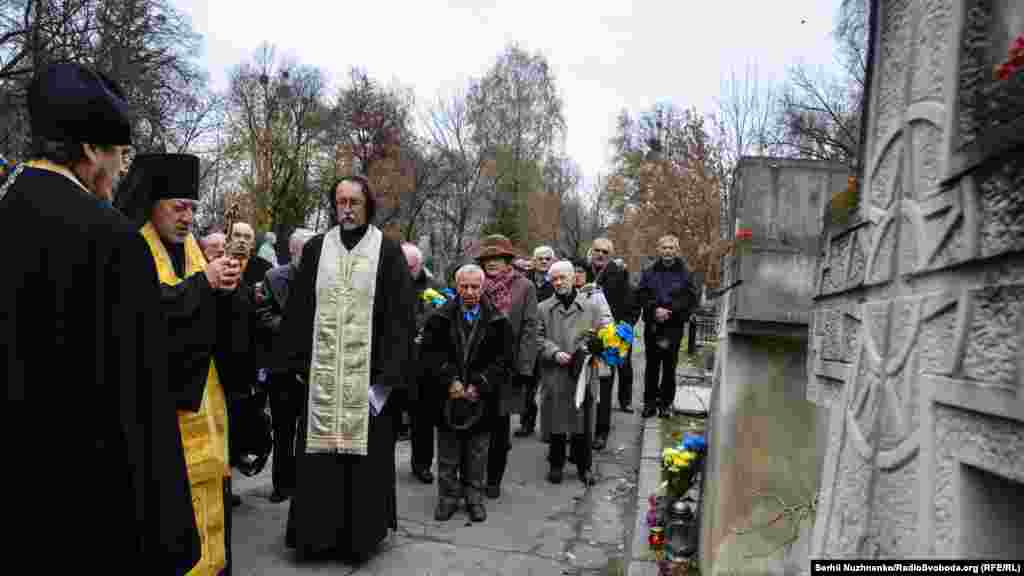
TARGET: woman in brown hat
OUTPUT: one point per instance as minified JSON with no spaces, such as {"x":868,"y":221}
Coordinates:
{"x":515,"y":297}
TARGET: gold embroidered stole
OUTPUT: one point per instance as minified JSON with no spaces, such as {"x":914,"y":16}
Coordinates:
{"x":43,"y":164}
{"x":204,"y":434}
{"x":339,"y":387}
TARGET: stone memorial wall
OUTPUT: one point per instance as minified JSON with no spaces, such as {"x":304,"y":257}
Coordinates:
{"x":918,"y":326}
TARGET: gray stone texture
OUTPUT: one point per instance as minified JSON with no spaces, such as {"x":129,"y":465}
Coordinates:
{"x":783,"y":202}
{"x":925,"y":358}
{"x":764,"y":410}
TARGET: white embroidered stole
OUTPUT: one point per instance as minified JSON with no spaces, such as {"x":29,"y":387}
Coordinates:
{"x":339,"y":386}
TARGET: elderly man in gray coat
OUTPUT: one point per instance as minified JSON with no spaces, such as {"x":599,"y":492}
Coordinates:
{"x":567,"y":322}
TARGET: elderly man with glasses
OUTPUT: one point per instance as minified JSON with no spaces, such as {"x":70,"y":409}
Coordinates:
{"x":614,"y":282}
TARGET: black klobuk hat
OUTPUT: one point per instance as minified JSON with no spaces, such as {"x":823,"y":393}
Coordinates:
{"x":154,"y":177}
{"x":72,"y":102}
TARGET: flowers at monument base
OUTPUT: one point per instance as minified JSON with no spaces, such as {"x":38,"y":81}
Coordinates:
{"x":679,"y":464}
{"x":1014,"y":62}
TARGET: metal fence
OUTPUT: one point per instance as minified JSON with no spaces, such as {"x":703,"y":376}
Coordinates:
{"x":702,"y":329}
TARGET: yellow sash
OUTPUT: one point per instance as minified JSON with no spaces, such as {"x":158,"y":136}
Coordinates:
{"x":204,"y":433}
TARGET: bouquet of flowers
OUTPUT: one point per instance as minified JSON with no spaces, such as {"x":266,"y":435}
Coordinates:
{"x":615,"y":340}
{"x":602,"y":349}
{"x":679,"y":463}
{"x":433,"y":297}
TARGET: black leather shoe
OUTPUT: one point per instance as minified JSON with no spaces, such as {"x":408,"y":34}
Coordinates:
{"x":277,"y":497}
{"x":424,"y":476}
{"x":524,"y":432}
{"x":664,"y":412}
{"x":555,"y":476}
{"x":600,"y":442}
{"x":648,"y":412}
{"x":626,"y":409}
{"x":493,"y":492}
{"x":477,"y":513}
{"x":586,"y":477}
{"x":444,"y":511}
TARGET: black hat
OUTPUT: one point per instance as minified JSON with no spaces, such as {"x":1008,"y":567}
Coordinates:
{"x":154,"y":177}
{"x":72,"y":102}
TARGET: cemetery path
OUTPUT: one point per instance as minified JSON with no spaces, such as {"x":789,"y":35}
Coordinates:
{"x":534,"y":528}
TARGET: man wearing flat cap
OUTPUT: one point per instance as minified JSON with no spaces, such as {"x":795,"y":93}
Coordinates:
{"x":83,"y":352}
{"x":207,"y":332}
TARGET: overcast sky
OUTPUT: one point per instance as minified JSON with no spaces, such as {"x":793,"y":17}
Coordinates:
{"x":606,"y":55}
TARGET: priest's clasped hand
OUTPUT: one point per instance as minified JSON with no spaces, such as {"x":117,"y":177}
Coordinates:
{"x":223,"y":273}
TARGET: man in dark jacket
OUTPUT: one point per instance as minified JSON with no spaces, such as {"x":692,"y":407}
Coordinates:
{"x":465,"y":353}
{"x":614,"y":282}
{"x":666,"y":297}
{"x":284,"y":390}
{"x":543,"y":258}
{"x":421,"y":421}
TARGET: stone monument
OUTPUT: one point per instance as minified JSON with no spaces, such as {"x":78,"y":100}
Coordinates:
{"x":918,"y":324}
{"x":762,"y":451}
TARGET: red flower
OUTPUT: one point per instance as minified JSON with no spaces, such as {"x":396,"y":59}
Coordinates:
{"x":1014,"y":62}
{"x":1002,"y":72}
{"x":744,"y":234}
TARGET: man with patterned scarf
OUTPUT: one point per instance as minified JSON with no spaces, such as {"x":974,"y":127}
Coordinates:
{"x":515,"y":297}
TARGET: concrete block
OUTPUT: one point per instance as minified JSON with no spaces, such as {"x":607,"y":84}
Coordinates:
{"x":643,"y":569}
{"x":692,"y":399}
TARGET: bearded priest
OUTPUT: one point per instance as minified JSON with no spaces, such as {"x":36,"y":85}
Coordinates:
{"x":351,"y":318}
{"x":207,"y":328}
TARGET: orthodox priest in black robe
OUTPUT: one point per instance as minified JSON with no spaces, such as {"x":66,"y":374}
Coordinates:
{"x":95,"y":473}
{"x":207,"y":329}
{"x":351,"y":316}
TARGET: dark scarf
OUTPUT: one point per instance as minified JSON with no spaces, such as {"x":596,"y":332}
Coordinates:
{"x":498,"y":289}
{"x":568,"y":299}
{"x":352,"y":237}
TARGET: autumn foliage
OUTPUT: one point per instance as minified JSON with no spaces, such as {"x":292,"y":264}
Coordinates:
{"x":670,"y":183}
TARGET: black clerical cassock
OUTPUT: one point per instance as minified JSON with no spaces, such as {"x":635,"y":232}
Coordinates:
{"x":95,"y":472}
{"x":354,"y":287}
{"x":206,"y":330}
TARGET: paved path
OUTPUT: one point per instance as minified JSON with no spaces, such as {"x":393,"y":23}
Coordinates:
{"x":535,"y":528}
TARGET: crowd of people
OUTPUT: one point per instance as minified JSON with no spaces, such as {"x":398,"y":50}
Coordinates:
{"x":353,"y":340}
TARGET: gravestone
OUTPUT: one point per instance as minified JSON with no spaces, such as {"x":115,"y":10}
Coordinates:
{"x":762,"y":443}
{"x":918,"y":325}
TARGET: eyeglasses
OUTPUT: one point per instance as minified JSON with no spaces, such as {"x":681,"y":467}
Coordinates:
{"x":349,"y":203}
